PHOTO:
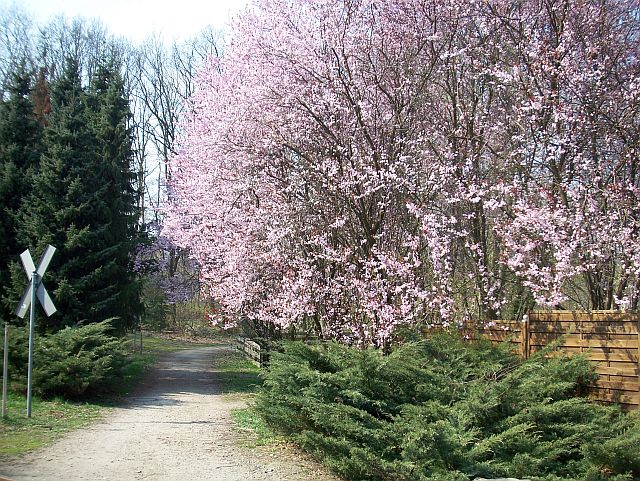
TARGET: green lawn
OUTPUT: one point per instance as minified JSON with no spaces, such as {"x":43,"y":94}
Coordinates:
{"x":49,"y":420}
{"x":236,"y":374}
{"x":247,"y":421}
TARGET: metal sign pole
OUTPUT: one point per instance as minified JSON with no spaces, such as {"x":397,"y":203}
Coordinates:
{"x":35,"y":290}
{"x":32,"y":323}
{"x":5,"y":370}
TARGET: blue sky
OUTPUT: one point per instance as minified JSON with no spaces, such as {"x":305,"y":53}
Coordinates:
{"x":136,"y":19}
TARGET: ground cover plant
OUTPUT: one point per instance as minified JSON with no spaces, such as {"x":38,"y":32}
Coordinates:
{"x":73,"y":362}
{"x":442,"y":409}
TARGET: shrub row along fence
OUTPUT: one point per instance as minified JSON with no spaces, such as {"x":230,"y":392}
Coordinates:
{"x":610,"y":339}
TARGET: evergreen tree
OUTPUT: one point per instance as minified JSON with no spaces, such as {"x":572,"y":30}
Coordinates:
{"x":57,"y":211}
{"x":20,"y":149}
{"x":110,"y":120}
{"x":82,"y":202}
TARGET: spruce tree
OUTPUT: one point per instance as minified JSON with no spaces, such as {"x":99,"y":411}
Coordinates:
{"x":57,"y":210}
{"x":66,"y":209}
{"x":110,"y":120}
{"x":20,"y":149}
{"x":83,"y":202}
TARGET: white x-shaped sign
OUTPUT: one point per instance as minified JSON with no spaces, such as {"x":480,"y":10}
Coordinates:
{"x":41,"y":292}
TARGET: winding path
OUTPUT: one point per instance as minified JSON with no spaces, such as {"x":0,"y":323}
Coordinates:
{"x":177,"y":427}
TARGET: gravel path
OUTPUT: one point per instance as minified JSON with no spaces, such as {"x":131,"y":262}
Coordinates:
{"x":177,"y":427}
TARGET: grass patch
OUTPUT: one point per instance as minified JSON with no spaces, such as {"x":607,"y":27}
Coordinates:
{"x":240,"y":378}
{"x":236,"y":374}
{"x":49,"y":420}
{"x":248,"y":421}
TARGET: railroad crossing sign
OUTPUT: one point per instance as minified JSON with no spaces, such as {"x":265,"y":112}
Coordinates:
{"x":35,"y":276}
{"x":35,"y":290}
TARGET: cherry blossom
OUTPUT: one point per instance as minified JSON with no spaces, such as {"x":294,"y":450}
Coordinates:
{"x":352,"y":166}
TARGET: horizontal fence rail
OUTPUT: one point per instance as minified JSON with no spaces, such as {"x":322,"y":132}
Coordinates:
{"x":609,"y":339}
{"x":251,"y":350}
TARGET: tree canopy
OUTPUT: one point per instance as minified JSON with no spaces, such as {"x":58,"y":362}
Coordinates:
{"x":359,"y":165}
{"x":74,"y":191}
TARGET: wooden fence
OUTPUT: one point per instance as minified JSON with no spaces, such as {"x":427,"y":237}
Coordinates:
{"x":250,"y":349}
{"x":610,"y":339}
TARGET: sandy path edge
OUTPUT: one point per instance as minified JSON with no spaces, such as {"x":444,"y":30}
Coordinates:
{"x":176,"y":426}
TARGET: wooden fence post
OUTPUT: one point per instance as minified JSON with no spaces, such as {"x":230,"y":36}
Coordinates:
{"x":524,"y":337}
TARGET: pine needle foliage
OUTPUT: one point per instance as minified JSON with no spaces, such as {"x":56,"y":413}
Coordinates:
{"x":81,"y":200}
{"x":447,"y":410}
{"x":20,"y":149}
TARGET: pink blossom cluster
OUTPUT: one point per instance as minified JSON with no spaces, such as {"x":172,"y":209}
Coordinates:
{"x":359,"y":165}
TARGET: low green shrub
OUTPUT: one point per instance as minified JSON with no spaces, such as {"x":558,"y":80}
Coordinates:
{"x":73,"y":362}
{"x":618,"y":454}
{"x":444,"y":409}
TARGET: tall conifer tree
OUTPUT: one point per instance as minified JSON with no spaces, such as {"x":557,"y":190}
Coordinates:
{"x":57,"y":211}
{"x":110,"y":121}
{"x":20,"y":149}
{"x":83,"y":203}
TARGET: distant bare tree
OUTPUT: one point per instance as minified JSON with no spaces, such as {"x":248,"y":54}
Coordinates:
{"x":162,"y":79}
{"x":15,"y":44}
{"x":87,"y":40}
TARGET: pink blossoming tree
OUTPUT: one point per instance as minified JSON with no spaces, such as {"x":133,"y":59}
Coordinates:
{"x":352,"y":166}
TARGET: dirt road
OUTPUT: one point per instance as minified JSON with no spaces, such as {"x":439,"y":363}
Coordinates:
{"x":177,"y":427}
